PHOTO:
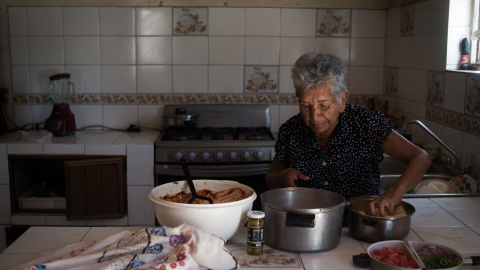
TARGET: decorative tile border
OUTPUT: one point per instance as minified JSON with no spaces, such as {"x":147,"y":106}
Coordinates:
{"x":454,"y":120}
{"x":190,"y":21}
{"x":435,"y":88}
{"x":407,"y":15}
{"x":472,"y":95}
{"x":391,"y":81}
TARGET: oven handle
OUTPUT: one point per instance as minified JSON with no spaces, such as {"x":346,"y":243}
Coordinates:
{"x":213,"y":170}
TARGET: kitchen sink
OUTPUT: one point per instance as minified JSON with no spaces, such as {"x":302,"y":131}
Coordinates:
{"x":391,"y":169}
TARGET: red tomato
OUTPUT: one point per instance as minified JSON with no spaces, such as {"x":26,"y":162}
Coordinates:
{"x":412,"y":263}
{"x":395,"y":257}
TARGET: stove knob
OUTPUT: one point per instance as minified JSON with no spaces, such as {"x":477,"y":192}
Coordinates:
{"x":204,"y":156}
{"x":258,"y":155}
{"x":191,"y":156}
{"x":177,"y":156}
{"x":232,"y":155}
{"x":218,"y":155}
{"x":245,"y":155}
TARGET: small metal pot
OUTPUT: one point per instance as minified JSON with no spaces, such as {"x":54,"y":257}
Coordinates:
{"x":180,"y":118}
{"x":373,"y":229}
{"x":302,"y":219}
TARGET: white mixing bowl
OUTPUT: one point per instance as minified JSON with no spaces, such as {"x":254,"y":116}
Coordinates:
{"x":222,"y":219}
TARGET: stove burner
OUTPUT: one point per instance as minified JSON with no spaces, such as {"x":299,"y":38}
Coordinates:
{"x":253,"y":133}
{"x":219,"y":134}
{"x":182,"y":134}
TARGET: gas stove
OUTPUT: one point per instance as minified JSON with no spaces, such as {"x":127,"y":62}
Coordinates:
{"x":230,"y":133}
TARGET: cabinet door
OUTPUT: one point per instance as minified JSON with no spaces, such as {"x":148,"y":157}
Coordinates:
{"x":95,"y":188}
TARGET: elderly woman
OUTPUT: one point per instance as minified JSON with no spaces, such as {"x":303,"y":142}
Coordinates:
{"x":334,"y":145}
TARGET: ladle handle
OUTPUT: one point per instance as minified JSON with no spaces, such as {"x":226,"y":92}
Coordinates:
{"x":188,"y":177}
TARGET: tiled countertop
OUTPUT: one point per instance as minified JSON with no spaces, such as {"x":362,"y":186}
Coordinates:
{"x":453,"y":222}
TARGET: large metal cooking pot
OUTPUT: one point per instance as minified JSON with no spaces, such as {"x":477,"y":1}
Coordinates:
{"x":180,"y":118}
{"x":373,"y":229}
{"x":302,"y":219}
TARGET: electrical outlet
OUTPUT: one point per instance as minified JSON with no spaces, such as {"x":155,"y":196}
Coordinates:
{"x":4,"y":95}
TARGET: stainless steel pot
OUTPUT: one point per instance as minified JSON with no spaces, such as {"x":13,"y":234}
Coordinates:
{"x":373,"y":229}
{"x":302,"y":219}
{"x":180,"y":118}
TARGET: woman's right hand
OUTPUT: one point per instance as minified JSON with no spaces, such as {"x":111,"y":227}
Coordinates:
{"x":292,"y":177}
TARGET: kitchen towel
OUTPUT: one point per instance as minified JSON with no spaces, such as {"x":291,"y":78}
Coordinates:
{"x":179,"y":248}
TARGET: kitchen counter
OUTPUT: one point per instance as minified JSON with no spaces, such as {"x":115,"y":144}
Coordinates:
{"x":453,"y":222}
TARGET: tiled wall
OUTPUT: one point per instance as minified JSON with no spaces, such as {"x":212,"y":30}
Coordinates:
{"x":127,"y":62}
{"x":416,"y":83}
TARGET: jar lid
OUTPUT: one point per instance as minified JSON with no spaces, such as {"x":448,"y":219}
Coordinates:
{"x":255,"y":214}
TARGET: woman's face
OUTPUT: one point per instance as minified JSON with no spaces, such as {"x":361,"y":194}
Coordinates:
{"x":321,"y":110}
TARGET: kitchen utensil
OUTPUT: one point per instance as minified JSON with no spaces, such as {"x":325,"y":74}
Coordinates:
{"x":61,"y":121}
{"x":221,"y":219}
{"x":188,"y":177}
{"x":302,"y":219}
{"x":181,"y":118}
{"x":372,"y":228}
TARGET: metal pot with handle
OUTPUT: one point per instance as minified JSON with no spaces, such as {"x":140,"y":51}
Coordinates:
{"x":302,"y":219}
{"x":180,"y":118}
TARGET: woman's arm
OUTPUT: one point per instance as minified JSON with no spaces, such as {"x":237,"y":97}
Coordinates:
{"x":417,"y":161}
{"x":279,"y":176}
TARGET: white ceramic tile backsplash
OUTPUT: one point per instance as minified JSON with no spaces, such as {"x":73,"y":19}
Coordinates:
{"x":366,"y":81}
{"x":454,"y":92}
{"x":225,"y":79}
{"x":20,"y":80}
{"x":226,"y":21}
{"x":291,"y":48}
{"x":81,"y":21}
{"x":154,"y":50}
{"x":42,"y":21}
{"x":115,"y":21}
{"x":262,"y":50}
{"x":87,"y":115}
{"x":190,"y":79}
{"x":39,"y":77}
{"x":82,"y":50}
{"x":154,"y":21}
{"x":118,"y":79}
{"x":86,"y":78}
{"x":367,"y":52}
{"x":262,"y":22}
{"x":154,"y":79}
{"x":120,"y":115}
{"x":117,"y":50}
{"x":291,"y":26}
{"x":368,"y":23}
{"x":336,"y":46}
{"x":226,"y":50}
{"x":190,"y":50}
{"x":45,"y":50}
{"x":17,"y":20}
{"x":19,"y":50}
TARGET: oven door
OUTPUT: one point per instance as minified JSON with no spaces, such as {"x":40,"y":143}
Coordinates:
{"x":252,"y":175}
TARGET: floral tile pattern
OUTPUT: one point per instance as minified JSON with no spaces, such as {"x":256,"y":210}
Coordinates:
{"x":190,"y":21}
{"x":472,"y":96}
{"x":261,"y":79}
{"x":391,"y":81}
{"x":436,"y":88}
{"x":453,"y":120}
{"x":434,"y":114}
{"x":407,"y":14}
{"x":271,"y":258}
{"x":333,"y":22}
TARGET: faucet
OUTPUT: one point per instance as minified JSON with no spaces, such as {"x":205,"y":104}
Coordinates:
{"x":455,"y":155}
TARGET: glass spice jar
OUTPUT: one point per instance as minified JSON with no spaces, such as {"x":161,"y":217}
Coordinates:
{"x":255,"y":232}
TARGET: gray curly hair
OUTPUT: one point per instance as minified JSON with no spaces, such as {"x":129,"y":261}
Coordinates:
{"x":314,"y":69}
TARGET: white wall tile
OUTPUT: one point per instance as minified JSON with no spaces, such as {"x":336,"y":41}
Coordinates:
{"x":63,"y":149}
{"x":225,"y":79}
{"x":140,"y":208}
{"x":405,"y":83}
{"x":190,"y":79}
{"x":287,"y":112}
{"x":422,"y":18}
{"x":436,"y":55}
{"x":150,"y":116}
{"x":454,"y":96}
{"x":86,"y":78}
{"x":17,"y":19}
{"x":82,"y":50}
{"x":87,"y":115}
{"x":154,"y":50}
{"x":471,"y":145}
{"x":262,"y":50}
{"x":39,"y":77}
{"x":41,"y":112}
{"x":154,"y":21}
{"x":44,"y":21}
{"x":406,"y":51}
{"x":367,"y":52}
{"x":451,"y":137}
{"x":190,"y":50}
{"x":262,"y":21}
{"x":336,"y":46}
{"x":439,"y":15}
{"x":285,"y":81}
{"x":274,"y":115}
{"x":420,"y":52}
{"x":292,"y":26}
{"x":140,"y":165}
{"x":226,"y":21}
{"x":154,"y":79}
{"x":368,"y":23}
{"x":366,"y":81}
{"x":45,"y":50}
{"x":20,"y":81}
{"x":419,"y":86}
{"x":392,"y":27}
{"x":23,"y":115}
{"x":81,"y":20}
{"x":226,"y":50}
{"x":292,"y":48}
{"x":117,"y":21}
{"x":120,"y":116}
{"x":392,"y":52}
{"x":117,"y":50}
{"x":118,"y":79}
{"x":19,"y":50}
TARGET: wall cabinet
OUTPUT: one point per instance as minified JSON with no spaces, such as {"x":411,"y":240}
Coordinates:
{"x":91,"y":187}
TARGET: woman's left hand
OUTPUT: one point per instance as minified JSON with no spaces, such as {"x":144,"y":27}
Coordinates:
{"x":385,"y":203}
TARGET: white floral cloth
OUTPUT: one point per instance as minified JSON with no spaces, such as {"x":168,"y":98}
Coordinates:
{"x":179,"y":248}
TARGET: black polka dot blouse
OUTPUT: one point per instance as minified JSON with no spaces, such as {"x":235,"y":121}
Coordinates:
{"x":350,"y":164}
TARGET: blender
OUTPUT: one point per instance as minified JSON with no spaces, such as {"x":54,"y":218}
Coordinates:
{"x":62,"y":121}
